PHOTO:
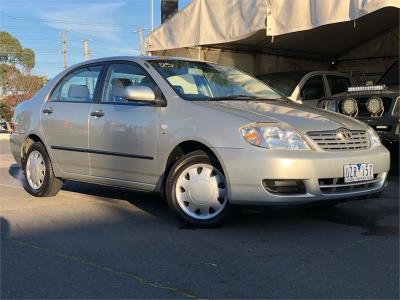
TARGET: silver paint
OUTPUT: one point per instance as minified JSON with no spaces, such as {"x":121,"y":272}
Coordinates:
{"x":35,"y":170}
{"x":155,"y":131}
{"x":201,"y":191}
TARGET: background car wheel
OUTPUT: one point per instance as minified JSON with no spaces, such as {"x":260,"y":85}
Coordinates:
{"x":39,"y":177}
{"x":196,"y":190}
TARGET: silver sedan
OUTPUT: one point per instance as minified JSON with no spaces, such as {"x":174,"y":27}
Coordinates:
{"x":204,"y":136}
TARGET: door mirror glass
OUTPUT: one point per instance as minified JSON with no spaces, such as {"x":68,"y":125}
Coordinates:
{"x":140,"y":94}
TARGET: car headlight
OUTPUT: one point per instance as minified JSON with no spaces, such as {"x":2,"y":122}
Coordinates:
{"x":350,"y":107}
{"x":374,"y":137}
{"x":274,"y":136}
{"x":375,"y":105}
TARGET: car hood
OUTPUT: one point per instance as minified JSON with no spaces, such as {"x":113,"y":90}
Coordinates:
{"x":301,"y":117}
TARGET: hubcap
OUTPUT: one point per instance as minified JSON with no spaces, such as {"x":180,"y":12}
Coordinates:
{"x":35,"y":170}
{"x":201,"y":191}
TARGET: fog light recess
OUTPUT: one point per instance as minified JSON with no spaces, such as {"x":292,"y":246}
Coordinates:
{"x":284,"y":186}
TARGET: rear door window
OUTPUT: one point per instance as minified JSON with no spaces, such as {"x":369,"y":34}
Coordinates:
{"x":78,"y":86}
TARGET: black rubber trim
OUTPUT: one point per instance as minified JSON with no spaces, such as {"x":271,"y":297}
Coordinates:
{"x":73,"y":149}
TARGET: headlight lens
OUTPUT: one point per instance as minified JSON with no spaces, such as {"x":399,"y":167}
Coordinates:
{"x":374,"y":137}
{"x":375,"y":105}
{"x":274,"y":136}
{"x":350,"y":107}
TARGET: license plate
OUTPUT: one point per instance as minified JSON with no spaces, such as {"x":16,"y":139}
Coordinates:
{"x":358,"y":172}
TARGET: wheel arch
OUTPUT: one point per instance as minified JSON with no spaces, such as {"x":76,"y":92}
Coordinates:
{"x":182,"y":149}
{"x":29,"y":140}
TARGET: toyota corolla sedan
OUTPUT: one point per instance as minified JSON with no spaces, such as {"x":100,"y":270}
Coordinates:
{"x":202,"y":135}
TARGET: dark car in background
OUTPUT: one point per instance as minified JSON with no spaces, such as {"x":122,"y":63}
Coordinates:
{"x":308,"y":87}
{"x":5,"y":127}
{"x":376,"y":104}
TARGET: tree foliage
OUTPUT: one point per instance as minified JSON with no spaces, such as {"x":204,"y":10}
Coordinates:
{"x":5,"y":111}
{"x":19,"y":84}
{"x":12,"y":52}
{"x":16,"y":82}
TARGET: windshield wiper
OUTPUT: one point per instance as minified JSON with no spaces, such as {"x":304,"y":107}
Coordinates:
{"x":282,"y":99}
{"x":233,"y":97}
{"x":243,"y":98}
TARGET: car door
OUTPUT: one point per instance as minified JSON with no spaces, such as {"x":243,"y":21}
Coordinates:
{"x":123,"y":134}
{"x":313,"y":90}
{"x":64,"y":119}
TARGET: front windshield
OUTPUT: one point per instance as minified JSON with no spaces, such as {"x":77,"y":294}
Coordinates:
{"x":206,"y":81}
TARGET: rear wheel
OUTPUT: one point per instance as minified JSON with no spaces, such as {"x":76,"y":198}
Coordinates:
{"x":39,"y":177}
{"x":196,"y":190}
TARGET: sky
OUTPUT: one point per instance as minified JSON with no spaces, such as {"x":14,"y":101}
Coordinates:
{"x":109,"y":26}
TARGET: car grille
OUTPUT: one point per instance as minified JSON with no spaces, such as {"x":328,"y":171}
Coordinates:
{"x":337,"y":185}
{"x":330,"y":141}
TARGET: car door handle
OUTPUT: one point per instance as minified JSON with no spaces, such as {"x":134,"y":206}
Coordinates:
{"x":98,"y":113}
{"x":47,"y":110}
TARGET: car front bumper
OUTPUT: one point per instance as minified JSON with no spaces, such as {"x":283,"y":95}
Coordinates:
{"x":246,"y":169}
{"x":387,"y":127}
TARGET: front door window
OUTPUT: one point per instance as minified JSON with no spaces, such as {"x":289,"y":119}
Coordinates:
{"x":119,"y":77}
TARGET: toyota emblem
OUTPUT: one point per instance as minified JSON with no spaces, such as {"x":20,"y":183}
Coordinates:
{"x":343,"y":134}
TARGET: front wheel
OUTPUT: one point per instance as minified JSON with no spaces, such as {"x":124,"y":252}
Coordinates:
{"x":196,"y":190}
{"x":40,"y":180}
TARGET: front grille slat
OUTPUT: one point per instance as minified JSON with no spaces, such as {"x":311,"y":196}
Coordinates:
{"x":330,"y":141}
{"x":337,"y":185}
{"x":326,"y":186}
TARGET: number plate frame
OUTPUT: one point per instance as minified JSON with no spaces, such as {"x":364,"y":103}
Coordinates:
{"x":358,"y":172}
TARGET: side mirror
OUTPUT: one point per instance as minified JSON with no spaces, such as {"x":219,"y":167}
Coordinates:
{"x":140,"y":94}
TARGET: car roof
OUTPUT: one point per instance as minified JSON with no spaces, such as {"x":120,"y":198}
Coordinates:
{"x":304,"y":73}
{"x":133,"y":58}
{"x":125,"y":58}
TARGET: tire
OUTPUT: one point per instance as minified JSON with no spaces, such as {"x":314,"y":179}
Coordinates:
{"x":204,"y":202}
{"x":38,"y":162}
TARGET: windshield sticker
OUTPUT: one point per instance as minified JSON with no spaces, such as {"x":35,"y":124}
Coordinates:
{"x":166,"y":65}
